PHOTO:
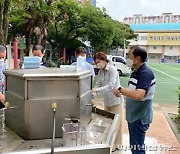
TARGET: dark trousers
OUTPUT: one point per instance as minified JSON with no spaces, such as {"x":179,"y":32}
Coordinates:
{"x":1,"y":105}
{"x":137,"y":132}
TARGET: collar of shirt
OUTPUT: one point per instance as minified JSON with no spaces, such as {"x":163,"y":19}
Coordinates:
{"x":140,"y":68}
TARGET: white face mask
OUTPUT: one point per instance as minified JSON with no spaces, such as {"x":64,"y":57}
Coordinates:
{"x":100,"y":65}
{"x":81,"y":56}
{"x":1,"y":61}
{"x":130,"y":62}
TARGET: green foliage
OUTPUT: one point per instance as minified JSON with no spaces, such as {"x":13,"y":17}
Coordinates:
{"x":66,"y":28}
{"x":30,"y":19}
{"x":99,"y":28}
{"x":177,"y":117}
{"x":66,"y":23}
{"x":21,"y":43}
{"x":122,"y":31}
{"x":85,"y":23}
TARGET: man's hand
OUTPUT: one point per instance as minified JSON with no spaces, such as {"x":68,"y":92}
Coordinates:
{"x":93,"y":90}
{"x":116,"y":92}
{"x":2,"y":98}
{"x":94,"y":93}
{"x":4,"y":83}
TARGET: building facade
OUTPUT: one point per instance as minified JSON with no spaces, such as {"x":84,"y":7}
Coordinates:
{"x":164,"y":18}
{"x":159,"y":35}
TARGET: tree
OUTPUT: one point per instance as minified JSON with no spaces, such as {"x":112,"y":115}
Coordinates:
{"x":31,"y":19}
{"x":4,"y":22}
{"x":99,"y":27}
{"x":122,"y":31}
{"x":65,"y":23}
{"x":77,"y":23}
{"x":68,"y":24}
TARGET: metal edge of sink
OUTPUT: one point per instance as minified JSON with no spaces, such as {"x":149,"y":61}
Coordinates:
{"x":84,"y":149}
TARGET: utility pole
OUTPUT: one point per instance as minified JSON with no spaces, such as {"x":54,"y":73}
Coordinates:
{"x":124,"y":51}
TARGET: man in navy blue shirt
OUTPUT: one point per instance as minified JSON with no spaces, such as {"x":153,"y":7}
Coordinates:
{"x":139,"y":95}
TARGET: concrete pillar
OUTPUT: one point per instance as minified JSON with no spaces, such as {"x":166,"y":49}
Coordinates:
{"x":9,"y":64}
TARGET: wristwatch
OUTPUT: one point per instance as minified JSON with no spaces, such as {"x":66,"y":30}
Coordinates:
{"x":119,"y":89}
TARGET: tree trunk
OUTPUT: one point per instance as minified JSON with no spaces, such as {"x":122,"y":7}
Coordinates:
{"x":5,"y":19}
{"x":4,"y":23}
{"x":1,"y":23}
{"x":28,"y":42}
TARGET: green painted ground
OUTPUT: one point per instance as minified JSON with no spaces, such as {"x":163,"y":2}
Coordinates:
{"x":167,"y":82}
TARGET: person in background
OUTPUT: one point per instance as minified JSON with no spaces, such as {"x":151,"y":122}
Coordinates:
{"x":81,"y":51}
{"x":2,"y":76}
{"x":108,"y":78}
{"x":38,"y":50}
{"x":139,"y":97}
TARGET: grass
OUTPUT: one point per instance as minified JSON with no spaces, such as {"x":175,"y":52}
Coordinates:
{"x":167,"y":82}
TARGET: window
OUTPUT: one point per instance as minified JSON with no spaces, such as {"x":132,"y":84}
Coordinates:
{"x":176,"y":37}
{"x":143,"y":37}
{"x":137,"y":20}
{"x":154,"y":47}
{"x":120,"y":60}
{"x":113,"y":59}
{"x":172,"y":38}
{"x":167,"y":19}
{"x":153,"y":57}
{"x":168,"y":38}
{"x":151,"y":37}
{"x":171,"y":47}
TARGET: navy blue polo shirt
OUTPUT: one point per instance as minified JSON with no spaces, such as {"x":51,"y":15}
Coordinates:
{"x":144,"y":79}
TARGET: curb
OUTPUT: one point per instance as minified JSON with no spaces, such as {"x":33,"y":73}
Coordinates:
{"x":173,"y":126}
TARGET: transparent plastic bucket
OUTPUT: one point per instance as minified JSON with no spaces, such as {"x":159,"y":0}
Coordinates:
{"x":74,"y":134}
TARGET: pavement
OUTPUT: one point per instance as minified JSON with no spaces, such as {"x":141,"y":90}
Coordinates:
{"x":160,"y":138}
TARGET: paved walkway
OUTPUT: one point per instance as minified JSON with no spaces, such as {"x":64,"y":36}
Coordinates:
{"x":160,"y":137}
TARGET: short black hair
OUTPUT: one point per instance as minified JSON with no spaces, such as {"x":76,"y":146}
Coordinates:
{"x":38,"y":47}
{"x":141,"y":53}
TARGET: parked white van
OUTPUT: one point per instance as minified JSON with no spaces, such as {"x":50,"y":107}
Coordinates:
{"x":120,"y":63}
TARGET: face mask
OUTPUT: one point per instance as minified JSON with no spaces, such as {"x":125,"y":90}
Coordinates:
{"x":1,"y":61}
{"x":40,"y":59}
{"x":100,"y":65}
{"x":130,"y":63}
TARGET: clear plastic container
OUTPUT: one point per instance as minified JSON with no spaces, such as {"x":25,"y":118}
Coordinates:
{"x":74,"y":134}
{"x":81,"y":63}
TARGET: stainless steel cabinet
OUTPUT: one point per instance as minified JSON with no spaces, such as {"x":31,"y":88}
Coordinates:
{"x":32,"y":91}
